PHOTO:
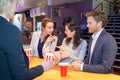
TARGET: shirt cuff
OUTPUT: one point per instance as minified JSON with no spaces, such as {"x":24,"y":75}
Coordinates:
{"x":81,"y":66}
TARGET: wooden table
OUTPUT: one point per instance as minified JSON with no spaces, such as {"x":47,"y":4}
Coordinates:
{"x":54,"y":74}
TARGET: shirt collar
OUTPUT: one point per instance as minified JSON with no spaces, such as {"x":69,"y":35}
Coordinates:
{"x":95,"y":36}
{"x":4,"y":17}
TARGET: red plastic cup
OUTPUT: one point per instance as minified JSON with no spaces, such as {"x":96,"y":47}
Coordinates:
{"x":63,"y":69}
{"x":28,"y":53}
{"x":49,"y":56}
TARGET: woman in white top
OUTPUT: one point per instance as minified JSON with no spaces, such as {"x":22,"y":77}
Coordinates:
{"x":44,"y":40}
{"x":73,"y":46}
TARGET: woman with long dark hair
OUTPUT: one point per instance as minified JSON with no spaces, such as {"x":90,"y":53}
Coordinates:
{"x":73,"y":46}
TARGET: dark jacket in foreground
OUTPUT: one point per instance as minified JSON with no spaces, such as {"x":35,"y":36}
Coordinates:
{"x":13,"y":62}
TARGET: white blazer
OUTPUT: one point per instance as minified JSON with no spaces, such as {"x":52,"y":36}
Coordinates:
{"x":34,"y":44}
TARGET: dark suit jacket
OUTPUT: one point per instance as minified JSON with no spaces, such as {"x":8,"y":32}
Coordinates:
{"x":13,"y":61}
{"x":103,"y":54}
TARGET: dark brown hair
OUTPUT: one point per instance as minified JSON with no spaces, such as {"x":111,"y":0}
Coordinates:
{"x":77,"y":36}
{"x":98,"y":16}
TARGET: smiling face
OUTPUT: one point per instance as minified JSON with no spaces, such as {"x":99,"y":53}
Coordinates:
{"x":68,"y":32}
{"x":93,"y":25}
{"x":49,"y":28}
{"x":96,"y":20}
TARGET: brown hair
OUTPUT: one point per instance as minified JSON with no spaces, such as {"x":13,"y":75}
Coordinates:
{"x":44,"y":23}
{"x":98,"y":16}
{"x":77,"y":36}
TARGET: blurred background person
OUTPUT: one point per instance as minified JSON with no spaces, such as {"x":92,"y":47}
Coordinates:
{"x":73,"y":46}
{"x":44,"y":41}
{"x":14,"y":63}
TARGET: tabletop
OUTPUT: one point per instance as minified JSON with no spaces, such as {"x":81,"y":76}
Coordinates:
{"x":54,"y":74}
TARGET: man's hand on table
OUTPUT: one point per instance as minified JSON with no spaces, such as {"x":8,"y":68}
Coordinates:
{"x":77,"y":65}
{"x":47,"y":65}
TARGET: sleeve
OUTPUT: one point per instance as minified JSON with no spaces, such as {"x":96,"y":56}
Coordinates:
{"x":51,"y":46}
{"x":15,"y":58}
{"x":33,"y":43}
{"x":80,"y":52}
{"x":32,"y":40}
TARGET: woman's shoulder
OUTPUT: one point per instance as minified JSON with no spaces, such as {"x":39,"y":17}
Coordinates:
{"x":36,"y":33}
{"x":83,"y":41}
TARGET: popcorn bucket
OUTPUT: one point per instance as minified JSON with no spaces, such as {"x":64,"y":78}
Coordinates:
{"x":48,"y":56}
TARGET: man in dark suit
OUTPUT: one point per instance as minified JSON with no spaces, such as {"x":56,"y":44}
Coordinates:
{"x":102,"y":46}
{"x":14,"y":64}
